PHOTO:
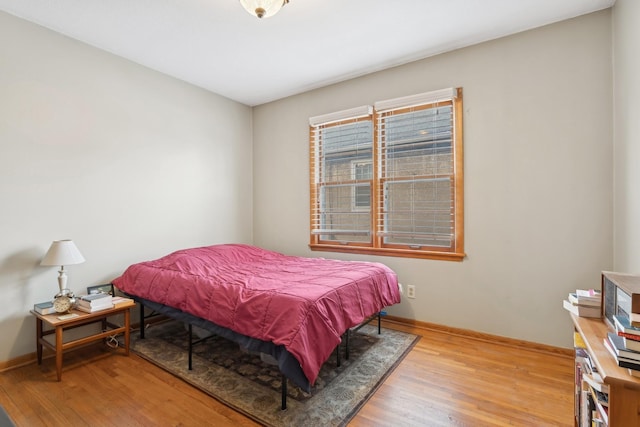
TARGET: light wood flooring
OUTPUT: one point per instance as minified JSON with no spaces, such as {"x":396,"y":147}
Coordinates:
{"x":446,"y":380}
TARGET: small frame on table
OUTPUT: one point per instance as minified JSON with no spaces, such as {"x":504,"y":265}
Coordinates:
{"x":107,"y":288}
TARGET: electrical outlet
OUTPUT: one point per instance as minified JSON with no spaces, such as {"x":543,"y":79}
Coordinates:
{"x":411,"y":291}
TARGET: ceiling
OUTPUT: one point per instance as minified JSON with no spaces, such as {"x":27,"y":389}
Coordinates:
{"x":217,"y":45}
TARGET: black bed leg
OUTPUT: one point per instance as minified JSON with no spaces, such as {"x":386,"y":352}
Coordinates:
{"x":346,"y":347}
{"x":379,"y":321}
{"x":141,"y":321}
{"x":284,"y":392}
{"x":190,"y":346}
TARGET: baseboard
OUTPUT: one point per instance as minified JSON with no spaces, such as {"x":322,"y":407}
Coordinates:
{"x":543,"y":348}
{"x":47,"y":353}
{"x":481,"y":336}
{"x":18,"y":361}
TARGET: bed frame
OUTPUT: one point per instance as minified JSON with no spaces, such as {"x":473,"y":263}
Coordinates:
{"x":289,"y":366}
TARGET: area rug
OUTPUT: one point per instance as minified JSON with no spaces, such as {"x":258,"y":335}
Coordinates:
{"x":251,"y":385}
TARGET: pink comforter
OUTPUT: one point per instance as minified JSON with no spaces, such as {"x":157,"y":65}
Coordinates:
{"x":304,"y":304}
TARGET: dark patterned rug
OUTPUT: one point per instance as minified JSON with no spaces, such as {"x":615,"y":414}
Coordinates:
{"x":251,"y":385}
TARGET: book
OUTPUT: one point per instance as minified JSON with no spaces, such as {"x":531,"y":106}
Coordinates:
{"x":634,"y":318}
{"x":622,"y":361}
{"x":589,"y":293}
{"x":575,"y":298}
{"x":623,"y":324}
{"x":617,"y":344}
{"x":587,"y":405}
{"x":581,"y":310}
{"x":596,"y":382}
{"x":578,"y":342}
{"x":607,"y":346}
{"x":601,"y":401}
{"x":107,"y":304}
{"x":120,"y":300}
{"x":44,"y":308}
{"x":583,"y":358}
{"x":95,"y":297}
{"x":94,"y":309}
{"x":601,"y":398}
{"x":94,"y":305}
{"x":94,"y":300}
{"x":629,"y":364}
{"x":631,"y":341}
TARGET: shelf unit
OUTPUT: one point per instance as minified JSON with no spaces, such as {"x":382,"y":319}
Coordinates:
{"x":624,"y":389}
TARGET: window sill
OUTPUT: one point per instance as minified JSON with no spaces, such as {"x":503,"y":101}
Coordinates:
{"x":404,"y":253}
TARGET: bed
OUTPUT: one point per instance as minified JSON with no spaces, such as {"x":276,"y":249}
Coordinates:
{"x":293,"y":309}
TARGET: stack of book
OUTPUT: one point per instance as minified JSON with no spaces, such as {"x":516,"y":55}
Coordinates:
{"x":591,"y":393}
{"x":94,"y":302}
{"x":584,"y":303}
{"x":624,"y":344}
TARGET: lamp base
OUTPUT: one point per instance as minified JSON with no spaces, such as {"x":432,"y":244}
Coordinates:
{"x":62,"y":279}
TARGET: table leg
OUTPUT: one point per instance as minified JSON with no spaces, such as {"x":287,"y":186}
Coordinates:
{"x":127,"y":321}
{"x":38,"y":337}
{"x":59,"y":352}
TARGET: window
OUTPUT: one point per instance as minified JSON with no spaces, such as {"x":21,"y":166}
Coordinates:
{"x":387,"y":179}
{"x":362,"y":173}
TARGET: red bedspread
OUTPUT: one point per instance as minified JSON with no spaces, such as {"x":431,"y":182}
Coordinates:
{"x":304,"y":304}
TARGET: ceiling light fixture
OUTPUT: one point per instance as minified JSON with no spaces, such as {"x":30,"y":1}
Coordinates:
{"x":263,"y":8}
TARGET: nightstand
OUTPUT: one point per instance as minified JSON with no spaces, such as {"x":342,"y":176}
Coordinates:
{"x":58,"y":326}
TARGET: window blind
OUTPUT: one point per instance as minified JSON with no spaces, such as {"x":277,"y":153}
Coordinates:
{"x":342,"y":153}
{"x":416,"y":166}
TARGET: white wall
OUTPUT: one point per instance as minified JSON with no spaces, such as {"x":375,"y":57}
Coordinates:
{"x":626,"y":35}
{"x":538,"y":177}
{"x":132,"y":164}
{"x":129,"y":163}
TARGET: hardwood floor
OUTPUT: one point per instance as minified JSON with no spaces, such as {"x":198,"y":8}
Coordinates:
{"x":446,"y":380}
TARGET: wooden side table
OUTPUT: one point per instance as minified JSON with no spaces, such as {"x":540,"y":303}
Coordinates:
{"x":60,"y":325}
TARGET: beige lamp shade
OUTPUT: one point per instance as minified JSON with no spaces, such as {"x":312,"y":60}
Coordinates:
{"x":62,"y":252}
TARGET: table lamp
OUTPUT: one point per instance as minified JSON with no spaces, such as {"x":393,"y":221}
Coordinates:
{"x":62,"y":252}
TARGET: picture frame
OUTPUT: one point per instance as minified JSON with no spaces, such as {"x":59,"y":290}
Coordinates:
{"x":107,"y":288}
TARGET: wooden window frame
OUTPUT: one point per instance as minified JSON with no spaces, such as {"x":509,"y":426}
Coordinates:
{"x":376,"y":246}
